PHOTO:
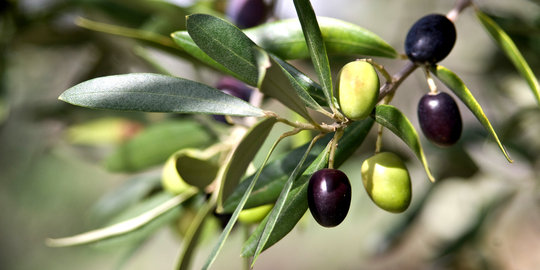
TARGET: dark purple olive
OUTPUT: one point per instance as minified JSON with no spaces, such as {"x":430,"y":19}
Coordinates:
{"x":232,"y":86}
{"x":439,"y":118}
{"x":247,"y":13}
{"x":329,"y":196}
{"x":430,"y":39}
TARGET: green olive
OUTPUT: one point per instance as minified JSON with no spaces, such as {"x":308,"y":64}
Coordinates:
{"x":170,"y":178}
{"x":357,"y":89}
{"x":255,"y":214}
{"x":387,"y":182}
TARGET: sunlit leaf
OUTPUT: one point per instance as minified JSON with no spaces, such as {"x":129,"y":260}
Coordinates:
{"x":296,"y":203}
{"x":155,"y":93}
{"x":155,"y":144}
{"x":242,"y":157}
{"x":285,"y":39}
{"x":511,"y":51}
{"x":391,"y":118}
{"x":226,"y":44}
{"x":454,"y":83}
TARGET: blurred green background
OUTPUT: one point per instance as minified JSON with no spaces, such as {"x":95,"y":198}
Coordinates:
{"x":484,"y":213}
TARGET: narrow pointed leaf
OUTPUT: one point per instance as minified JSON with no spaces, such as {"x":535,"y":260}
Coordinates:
{"x":296,"y":203}
{"x":280,"y":203}
{"x":234,"y":217}
{"x":155,"y":93}
{"x":394,"y":120}
{"x":306,"y":84}
{"x":124,"y":227}
{"x":316,"y":47}
{"x":277,"y":84}
{"x":184,"y":41}
{"x":285,"y":39}
{"x":273,"y":177}
{"x":511,"y":51}
{"x":226,"y":44}
{"x":242,"y":156}
{"x":452,"y":81}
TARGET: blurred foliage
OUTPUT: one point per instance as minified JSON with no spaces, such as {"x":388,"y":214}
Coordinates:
{"x":482,"y":214}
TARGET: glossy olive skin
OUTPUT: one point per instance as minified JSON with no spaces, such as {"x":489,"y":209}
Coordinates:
{"x":247,"y":13}
{"x":357,"y":89}
{"x":439,"y":118}
{"x":329,"y":196}
{"x":231,"y":86}
{"x":387,"y":182}
{"x":430,"y":39}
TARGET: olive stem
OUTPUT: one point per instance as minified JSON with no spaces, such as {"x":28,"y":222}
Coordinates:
{"x":397,"y":79}
{"x":334,"y":146}
{"x":431,"y":83}
{"x":458,"y":8}
{"x":378,"y":143}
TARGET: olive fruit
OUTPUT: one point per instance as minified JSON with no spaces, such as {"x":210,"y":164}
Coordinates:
{"x":387,"y":182}
{"x":255,"y":214}
{"x":430,"y":39}
{"x":439,"y":118}
{"x":247,"y":13}
{"x":357,"y":89}
{"x":188,"y":168}
{"x":329,"y":196}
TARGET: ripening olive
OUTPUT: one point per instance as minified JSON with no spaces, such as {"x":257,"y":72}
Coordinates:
{"x":430,"y":39}
{"x":387,"y":182}
{"x":255,"y":214}
{"x":329,"y":196}
{"x":357,"y":89}
{"x":234,"y":87}
{"x":247,"y":13}
{"x":439,"y":118}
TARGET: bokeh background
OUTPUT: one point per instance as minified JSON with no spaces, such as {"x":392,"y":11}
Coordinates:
{"x":483,"y":213}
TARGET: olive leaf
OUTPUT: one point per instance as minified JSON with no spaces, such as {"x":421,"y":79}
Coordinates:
{"x":394,"y":120}
{"x":242,"y":156}
{"x":285,"y":39}
{"x":296,"y":203}
{"x":226,"y":44}
{"x":166,"y":205}
{"x":316,"y":47}
{"x":277,"y":83}
{"x":511,"y":51}
{"x":155,"y":93}
{"x":454,"y":83}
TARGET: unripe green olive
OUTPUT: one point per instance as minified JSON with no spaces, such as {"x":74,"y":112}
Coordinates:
{"x":255,"y":214}
{"x":188,"y":168}
{"x":357,"y":89}
{"x":387,"y":182}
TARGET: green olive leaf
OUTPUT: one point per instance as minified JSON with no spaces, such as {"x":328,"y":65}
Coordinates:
{"x":454,"y":83}
{"x":296,"y":203}
{"x":394,"y":120}
{"x":155,"y":93}
{"x":279,"y":84}
{"x":142,"y":220}
{"x":280,"y":203}
{"x":273,"y":177}
{"x":242,"y":156}
{"x":316,"y":47}
{"x":226,"y":44}
{"x":155,"y":144}
{"x":285,"y":39}
{"x":511,"y":51}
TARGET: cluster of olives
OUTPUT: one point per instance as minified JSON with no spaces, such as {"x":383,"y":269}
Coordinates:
{"x":384,"y":175}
